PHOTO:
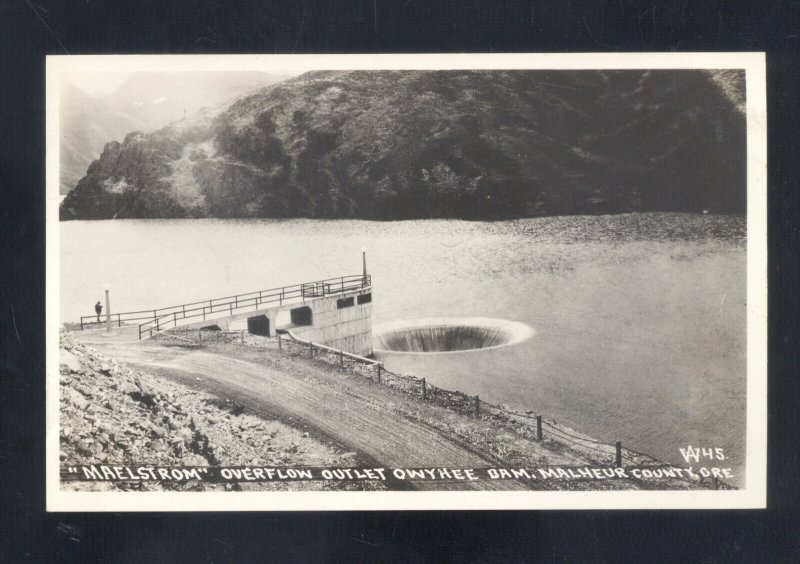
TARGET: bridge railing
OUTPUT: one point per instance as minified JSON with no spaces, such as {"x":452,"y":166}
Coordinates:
{"x":167,"y":318}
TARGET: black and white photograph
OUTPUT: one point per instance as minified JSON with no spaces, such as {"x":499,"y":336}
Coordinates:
{"x":406,"y":282}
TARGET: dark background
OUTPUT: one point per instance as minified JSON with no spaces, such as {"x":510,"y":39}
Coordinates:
{"x":30,"y":29}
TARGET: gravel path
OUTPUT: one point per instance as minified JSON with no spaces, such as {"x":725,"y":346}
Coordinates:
{"x":369,"y":421}
{"x":383,"y":425}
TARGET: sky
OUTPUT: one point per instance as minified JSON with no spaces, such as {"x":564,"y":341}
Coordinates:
{"x":98,"y":83}
{"x":105,"y":82}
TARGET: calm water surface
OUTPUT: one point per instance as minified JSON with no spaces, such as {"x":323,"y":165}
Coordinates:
{"x":640,"y":319}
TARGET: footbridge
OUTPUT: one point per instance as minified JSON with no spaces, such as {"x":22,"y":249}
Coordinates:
{"x":336,"y":312}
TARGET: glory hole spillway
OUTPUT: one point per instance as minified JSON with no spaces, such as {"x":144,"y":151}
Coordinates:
{"x":447,"y":335}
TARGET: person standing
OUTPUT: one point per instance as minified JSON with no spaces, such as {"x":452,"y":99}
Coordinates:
{"x":98,"y":309}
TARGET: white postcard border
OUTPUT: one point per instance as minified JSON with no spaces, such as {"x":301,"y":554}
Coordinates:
{"x":753,"y":495}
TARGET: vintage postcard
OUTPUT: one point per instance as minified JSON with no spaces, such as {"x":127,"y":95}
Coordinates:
{"x":406,"y":282}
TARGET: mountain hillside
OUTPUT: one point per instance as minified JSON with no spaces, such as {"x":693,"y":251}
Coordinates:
{"x":144,"y":102}
{"x":86,"y":124}
{"x":416,"y":144}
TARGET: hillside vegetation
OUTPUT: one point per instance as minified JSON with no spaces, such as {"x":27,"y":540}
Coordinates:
{"x":419,"y":144}
{"x":145,"y":101}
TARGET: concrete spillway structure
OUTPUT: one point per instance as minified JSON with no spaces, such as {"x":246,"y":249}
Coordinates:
{"x":341,"y":320}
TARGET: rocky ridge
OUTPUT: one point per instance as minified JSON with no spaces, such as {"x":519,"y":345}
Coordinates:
{"x":477,"y":145}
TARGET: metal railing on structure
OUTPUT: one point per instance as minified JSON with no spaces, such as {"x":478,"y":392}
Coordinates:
{"x":168,"y":317}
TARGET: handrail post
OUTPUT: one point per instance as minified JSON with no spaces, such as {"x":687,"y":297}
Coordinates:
{"x":618,"y":460}
{"x":140,"y":336}
{"x":204,"y":313}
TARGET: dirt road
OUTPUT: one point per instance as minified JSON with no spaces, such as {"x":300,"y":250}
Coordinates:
{"x":350,"y":410}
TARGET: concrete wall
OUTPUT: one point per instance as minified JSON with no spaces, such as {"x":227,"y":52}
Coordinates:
{"x":349,"y":328}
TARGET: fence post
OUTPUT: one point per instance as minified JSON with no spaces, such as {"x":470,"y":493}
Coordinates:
{"x":424,"y":390}
{"x":538,"y":427}
{"x":81,"y":323}
{"x":715,"y":482}
{"x":280,"y":346}
{"x":341,"y":358}
{"x":379,"y":365}
{"x":242,"y":337}
{"x":199,"y":336}
{"x":619,"y":454}
{"x":477,"y":407}
{"x":311,"y":349}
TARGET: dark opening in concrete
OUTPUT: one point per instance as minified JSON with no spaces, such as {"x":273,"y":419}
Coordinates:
{"x":344,"y":302}
{"x":258,"y":325}
{"x":301,"y":315}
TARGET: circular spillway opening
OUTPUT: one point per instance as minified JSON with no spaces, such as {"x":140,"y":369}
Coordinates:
{"x":448,"y":335}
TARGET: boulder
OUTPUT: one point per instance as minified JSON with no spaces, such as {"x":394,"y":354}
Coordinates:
{"x":76,"y":398}
{"x":157,"y":445}
{"x":127,"y":388}
{"x":68,"y":359}
{"x":192,"y":459}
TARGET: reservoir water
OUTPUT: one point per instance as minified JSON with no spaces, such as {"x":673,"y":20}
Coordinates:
{"x":639,"y":321}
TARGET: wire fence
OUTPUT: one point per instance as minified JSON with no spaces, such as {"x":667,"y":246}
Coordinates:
{"x":527,"y":424}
